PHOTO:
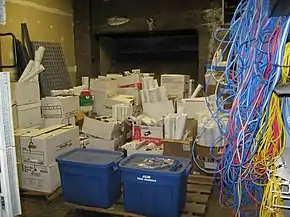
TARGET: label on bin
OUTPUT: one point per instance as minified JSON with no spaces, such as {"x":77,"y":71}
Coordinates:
{"x":146,"y":178}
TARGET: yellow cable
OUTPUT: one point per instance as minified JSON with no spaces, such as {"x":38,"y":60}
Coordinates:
{"x":263,"y":158}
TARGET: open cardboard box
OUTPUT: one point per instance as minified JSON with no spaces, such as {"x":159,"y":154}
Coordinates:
{"x":181,"y":148}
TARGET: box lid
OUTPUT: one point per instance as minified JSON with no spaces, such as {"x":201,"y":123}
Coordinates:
{"x":56,"y":132}
{"x":35,"y":133}
{"x":155,"y":163}
{"x":91,"y":156}
{"x":28,"y":106}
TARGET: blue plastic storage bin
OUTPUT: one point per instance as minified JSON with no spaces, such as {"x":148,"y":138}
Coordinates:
{"x":90,"y":177}
{"x":154,"y":192}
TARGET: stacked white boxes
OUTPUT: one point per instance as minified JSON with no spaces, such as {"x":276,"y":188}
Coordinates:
{"x":39,"y":149}
{"x":27,"y":98}
{"x":59,"y":110}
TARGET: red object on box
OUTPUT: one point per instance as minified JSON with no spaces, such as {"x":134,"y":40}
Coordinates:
{"x":86,"y":93}
{"x":137,"y":85}
{"x":148,"y":134}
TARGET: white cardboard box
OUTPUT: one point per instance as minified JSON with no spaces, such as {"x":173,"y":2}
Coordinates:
{"x":29,"y":115}
{"x":101,"y":129}
{"x":48,"y":122}
{"x":133,"y":80}
{"x":104,"y":87}
{"x":148,"y":133}
{"x":103,"y":106}
{"x":25,"y":92}
{"x":43,"y":146}
{"x":158,"y":110}
{"x":40,"y":178}
{"x":60,"y":106}
{"x":17,"y":134}
{"x":192,"y":107}
{"x":96,"y":143}
{"x":133,"y":91}
{"x":176,"y":85}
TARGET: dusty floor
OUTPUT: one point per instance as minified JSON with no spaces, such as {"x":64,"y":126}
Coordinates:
{"x":36,"y":208}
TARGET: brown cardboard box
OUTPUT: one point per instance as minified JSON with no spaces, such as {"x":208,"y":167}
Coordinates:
{"x":181,"y":148}
{"x":177,"y":148}
{"x":204,"y":157}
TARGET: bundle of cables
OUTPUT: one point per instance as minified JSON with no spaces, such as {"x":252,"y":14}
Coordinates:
{"x":254,"y":132}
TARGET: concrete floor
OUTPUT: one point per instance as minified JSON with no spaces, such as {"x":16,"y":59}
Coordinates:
{"x":36,"y":208}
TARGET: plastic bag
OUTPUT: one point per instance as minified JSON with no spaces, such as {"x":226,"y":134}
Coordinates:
{"x":156,"y":163}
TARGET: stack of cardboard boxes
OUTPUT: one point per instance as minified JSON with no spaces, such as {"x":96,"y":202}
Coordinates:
{"x":39,"y":149}
{"x":27,"y":98}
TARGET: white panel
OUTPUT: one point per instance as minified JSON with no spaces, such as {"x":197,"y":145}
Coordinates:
{"x":10,"y":198}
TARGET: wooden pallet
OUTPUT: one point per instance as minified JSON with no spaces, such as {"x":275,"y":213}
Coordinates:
{"x":49,"y":197}
{"x":198,"y":192}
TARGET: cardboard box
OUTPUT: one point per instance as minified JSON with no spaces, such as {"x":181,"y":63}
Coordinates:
{"x":101,"y":129}
{"x":148,"y":133}
{"x":25,"y":92}
{"x":103,"y":106}
{"x":60,"y":106}
{"x":133,"y":80}
{"x":192,"y":107}
{"x":176,"y":85}
{"x":182,"y":148}
{"x":205,"y":159}
{"x":132,"y":91}
{"x":177,"y":148}
{"x":43,"y":146}
{"x":15,"y":116}
{"x":40,"y":178}
{"x":158,"y":110}
{"x":17,"y":134}
{"x":97,"y":143}
{"x":29,"y":115}
{"x":48,"y":122}
{"x":103,"y":88}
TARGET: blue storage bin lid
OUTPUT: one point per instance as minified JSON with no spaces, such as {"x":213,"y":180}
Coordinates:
{"x":91,"y":156}
{"x":133,"y":162}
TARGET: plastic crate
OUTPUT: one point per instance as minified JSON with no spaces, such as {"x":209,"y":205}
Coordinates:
{"x":90,"y":177}
{"x":154,"y":192}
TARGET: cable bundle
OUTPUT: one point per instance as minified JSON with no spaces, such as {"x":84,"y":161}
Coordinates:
{"x":253,"y":133}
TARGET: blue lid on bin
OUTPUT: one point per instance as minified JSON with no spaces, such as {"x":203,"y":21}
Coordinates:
{"x":91,"y":156}
{"x":155,"y":163}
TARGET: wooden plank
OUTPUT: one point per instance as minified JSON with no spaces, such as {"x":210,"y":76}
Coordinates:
{"x":199,"y":188}
{"x":198,"y":179}
{"x":196,"y":197}
{"x":55,"y":195}
{"x":114,"y":210}
{"x":37,"y":194}
{"x":194,"y":208}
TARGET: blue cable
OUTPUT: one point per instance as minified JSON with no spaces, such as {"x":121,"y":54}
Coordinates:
{"x":249,"y":43}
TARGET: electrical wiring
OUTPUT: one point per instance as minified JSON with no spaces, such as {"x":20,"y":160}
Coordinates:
{"x":254,"y":133}
{"x":267,"y":208}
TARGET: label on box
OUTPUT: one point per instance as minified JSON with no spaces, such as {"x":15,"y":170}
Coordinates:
{"x":148,"y":133}
{"x":210,"y":165}
{"x":186,"y":147}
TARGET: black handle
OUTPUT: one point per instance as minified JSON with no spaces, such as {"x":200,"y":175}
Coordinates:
{"x":15,"y":60}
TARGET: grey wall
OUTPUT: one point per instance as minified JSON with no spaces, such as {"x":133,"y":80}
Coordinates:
{"x":90,"y":17}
